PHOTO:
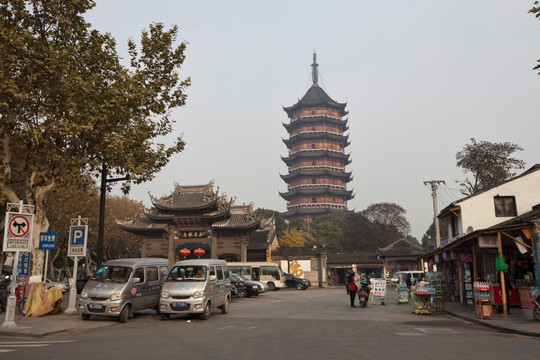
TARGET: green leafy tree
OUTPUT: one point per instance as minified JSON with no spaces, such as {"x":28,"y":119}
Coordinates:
{"x":489,"y":165}
{"x":328,"y":231}
{"x":68,"y":107}
{"x":378,"y":225}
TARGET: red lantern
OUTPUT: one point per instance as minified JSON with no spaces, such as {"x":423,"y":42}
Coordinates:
{"x":185,"y":252}
{"x":199,"y":252}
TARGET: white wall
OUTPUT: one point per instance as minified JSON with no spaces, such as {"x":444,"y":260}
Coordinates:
{"x":479,"y":211}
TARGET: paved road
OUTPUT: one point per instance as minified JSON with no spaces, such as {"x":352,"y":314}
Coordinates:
{"x":312,"y":324}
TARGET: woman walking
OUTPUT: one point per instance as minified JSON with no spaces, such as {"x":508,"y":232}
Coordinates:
{"x":350,"y":284}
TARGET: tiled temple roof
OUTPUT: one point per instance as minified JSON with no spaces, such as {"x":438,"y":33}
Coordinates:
{"x":402,"y":247}
{"x":240,"y":217}
{"x":262,"y":238}
{"x":316,"y":96}
{"x":140,"y":223}
{"x":188,"y":198}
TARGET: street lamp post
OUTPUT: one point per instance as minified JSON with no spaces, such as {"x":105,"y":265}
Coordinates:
{"x":104,"y":182}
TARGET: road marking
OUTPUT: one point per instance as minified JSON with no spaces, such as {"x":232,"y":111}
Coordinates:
{"x":37,"y":342}
{"x":235,"y":327}
{"x":9,"y":346}
{"x":23,"y":345}
{"x":436,"y":330}
{"x":409,"y":334}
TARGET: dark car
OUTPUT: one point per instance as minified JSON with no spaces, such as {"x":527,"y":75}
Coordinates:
{"x":251,"y":288}
{"x":234,"y":290}
{"x":296,"y":282}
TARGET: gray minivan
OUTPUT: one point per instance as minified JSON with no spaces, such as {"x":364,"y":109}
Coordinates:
{"x":120,"y":287}
{"x":196,"y":286}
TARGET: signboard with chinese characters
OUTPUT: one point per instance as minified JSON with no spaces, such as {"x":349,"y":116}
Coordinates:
{"x":379,"y":287}
{"x":487,"y":241}
{"x":18,"y":232}
{"x":192,"y":234}
{"x":23,"y":267}
{"x":77,"y":240}
{"x":47,"y":241}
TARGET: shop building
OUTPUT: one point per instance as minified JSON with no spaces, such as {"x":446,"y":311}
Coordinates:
{"x":197,"y":222}
{"x":484,"y":233}
{"x":317,"y":178}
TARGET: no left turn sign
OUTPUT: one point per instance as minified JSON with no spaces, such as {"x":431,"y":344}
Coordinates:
{"x":18,"y":232}
{"x":19,"y":226}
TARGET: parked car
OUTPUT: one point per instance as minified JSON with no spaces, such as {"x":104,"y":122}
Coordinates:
{"x":264,"y":286}
{"x":239,"y":284}
{"x":296,"y":282}
{"x":252,"y":288}
{"x":234,"y":290}
{"x":55,"y":283}
{"x":79,"y":284}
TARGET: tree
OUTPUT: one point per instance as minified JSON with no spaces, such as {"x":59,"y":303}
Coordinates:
{"x":293,"y":237}
{"x":68,"y":107}
{"x":388,"y":214}
{"x":362,"y":234}
{"x":328,"y":231}
{"x":429,"y":234}
{"x":488,"y":163}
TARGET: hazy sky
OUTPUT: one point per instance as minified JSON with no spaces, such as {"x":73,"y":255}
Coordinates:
{"x":420,"y":79}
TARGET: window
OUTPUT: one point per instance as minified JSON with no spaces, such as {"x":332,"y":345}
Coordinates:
{"x":164,"y":271}
{"x":313,"y":146}
{"x":138,"y":276}
{"x":212,"y":271}
{"x":313,"y":181}
{"x":505,"y":206}
{"x":152,"y":274}
{"x":219,"y":270}
{"x":313,"y":200}
{"x":313,"y":163}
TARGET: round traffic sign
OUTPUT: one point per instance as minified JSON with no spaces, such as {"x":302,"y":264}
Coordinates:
{"x":19,"y":226}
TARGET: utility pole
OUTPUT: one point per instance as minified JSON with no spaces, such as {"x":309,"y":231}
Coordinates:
{"x":434,"y":184}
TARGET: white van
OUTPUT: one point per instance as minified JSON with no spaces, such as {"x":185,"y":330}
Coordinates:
{"x":196,"y":286}
{"x":120,"y":287}
{"x":402,"y":275}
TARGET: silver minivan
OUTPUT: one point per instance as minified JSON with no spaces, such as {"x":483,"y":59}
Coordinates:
{"x":196,"y":287}
{"x":120,"y":287}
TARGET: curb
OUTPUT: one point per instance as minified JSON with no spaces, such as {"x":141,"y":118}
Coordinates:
{"x":486,"y":323}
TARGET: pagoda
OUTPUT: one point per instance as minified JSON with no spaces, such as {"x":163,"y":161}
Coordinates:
{"x":316,"y":161}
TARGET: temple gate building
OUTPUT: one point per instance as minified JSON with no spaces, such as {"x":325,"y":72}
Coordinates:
{"x":316,"y":179}
{"x":198,"y":218}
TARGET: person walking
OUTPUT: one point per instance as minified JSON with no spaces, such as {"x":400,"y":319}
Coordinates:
{"x":352,"y":287}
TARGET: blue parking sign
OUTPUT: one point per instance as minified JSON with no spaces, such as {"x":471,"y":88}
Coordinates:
{"x":77,"y":240}
{"x":47,"y":241}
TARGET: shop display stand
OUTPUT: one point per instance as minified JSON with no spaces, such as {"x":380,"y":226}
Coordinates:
{"x":403,"y":294}
{"x":421,"y":299}
{"x":438,"y":280}
{"x":482,"y":299}
{"x":468,"y":289}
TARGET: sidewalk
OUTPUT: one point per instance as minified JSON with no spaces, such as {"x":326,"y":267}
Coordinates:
{"x":521,"y":321}
{"x":50,"y":324}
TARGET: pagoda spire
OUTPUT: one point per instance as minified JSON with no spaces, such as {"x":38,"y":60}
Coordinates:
{"x":314,"y":71}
